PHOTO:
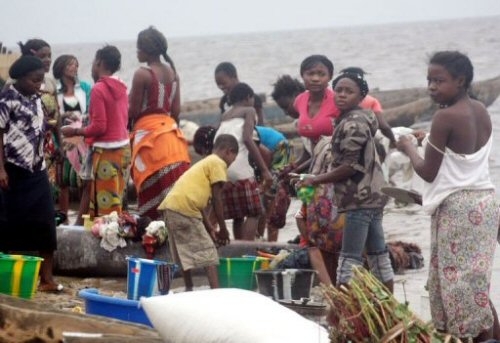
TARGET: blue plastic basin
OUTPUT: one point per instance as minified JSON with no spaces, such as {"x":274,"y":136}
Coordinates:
{"x":118,"y":308}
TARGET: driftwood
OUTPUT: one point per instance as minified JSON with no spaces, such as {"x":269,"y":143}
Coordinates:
{"x":27,"y":321}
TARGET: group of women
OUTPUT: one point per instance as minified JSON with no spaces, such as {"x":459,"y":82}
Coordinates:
{"x":341,"y":223}
{"x":37,"y":140}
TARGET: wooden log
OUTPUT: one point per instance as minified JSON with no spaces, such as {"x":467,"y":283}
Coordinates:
{"x":28,"y":321}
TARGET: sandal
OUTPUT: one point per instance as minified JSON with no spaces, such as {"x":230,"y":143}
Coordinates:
{"x":51,"y":288}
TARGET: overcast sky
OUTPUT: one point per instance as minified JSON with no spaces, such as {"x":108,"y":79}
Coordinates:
{"x":70,"y":21}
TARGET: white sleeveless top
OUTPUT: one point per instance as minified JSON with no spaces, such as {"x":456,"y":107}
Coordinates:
{"x":240,"y":169}
{"x":457,"y":172}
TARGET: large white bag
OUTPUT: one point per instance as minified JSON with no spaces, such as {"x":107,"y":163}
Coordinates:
{"x":228,"y":315}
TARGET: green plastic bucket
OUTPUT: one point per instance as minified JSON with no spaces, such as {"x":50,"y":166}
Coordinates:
{"x":237,"y":272}
{"x":19,"y":275}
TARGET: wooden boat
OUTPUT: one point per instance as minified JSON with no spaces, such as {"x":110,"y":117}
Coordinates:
{"x":79,"y":253}
{"x":422,"y":109}
{"x":402,"y":107}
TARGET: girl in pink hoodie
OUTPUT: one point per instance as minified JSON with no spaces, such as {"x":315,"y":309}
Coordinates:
{"x":108,"y":162}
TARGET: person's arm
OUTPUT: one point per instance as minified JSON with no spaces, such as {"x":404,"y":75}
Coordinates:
{"x":354,"y":137}
{"x":257,"y":105}
{"x":428,"y":167}
{"x":98,"y":124}
{"x":339,"y":174}
{"x":253,"y":150}
{"x":136,"y":95}
{"x":208,"y":226}
{"x":385,"y":129}
{"x":4,"y":179}
{"x":223,"y":234}
{"x":175,"y":107}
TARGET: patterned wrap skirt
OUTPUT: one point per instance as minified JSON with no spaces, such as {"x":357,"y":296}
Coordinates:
{"x":110,"y":170}
{"x":463,"y":241}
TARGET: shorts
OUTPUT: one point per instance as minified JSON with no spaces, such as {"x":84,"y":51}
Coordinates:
{"x":190,"y":244}
{"x":241,"y":199}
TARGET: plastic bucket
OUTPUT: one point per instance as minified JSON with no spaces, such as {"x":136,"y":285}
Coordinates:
{"x":19,"y":275}
{"x":285,"y":283}
{"x":146,"y":278}
{"x":237,"y":272}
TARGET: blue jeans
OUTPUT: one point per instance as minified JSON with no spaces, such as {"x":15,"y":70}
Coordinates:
{"x":363,"y":229}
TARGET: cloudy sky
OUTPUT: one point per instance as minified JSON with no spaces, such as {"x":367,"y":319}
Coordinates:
{"x":70,"y":21}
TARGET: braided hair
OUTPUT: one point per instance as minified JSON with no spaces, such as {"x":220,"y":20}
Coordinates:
{"x":154,"y":43}
{"x":203,"y":141}
{"x":356,"y":76}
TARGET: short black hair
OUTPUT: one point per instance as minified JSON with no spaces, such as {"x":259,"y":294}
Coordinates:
{"x":31,"y":45}
{"x":25,"y":65}
{"x":110,"y":56}
{"x":286,"y":86}
{"x":456,"y":63}
{"x":226,"y":141}
{"x":227,"y":68}
{"x":310,"y":61}
{"x":240,"y":92}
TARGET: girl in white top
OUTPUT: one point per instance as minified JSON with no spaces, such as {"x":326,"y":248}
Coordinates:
{"x":241,"y":192}
{"x":461,"y":198}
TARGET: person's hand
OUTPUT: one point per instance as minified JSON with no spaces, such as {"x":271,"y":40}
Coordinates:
{"x":305,"y":181}
{"x":222,"y":237}
{"x":71,"y":117}
{"x":267,"y":180}
{"x":404,"y":143}
{"x":419,"y":135}
{"x":287,"y":169}
{"x":4,"y":179}
{"x":68,"y":131}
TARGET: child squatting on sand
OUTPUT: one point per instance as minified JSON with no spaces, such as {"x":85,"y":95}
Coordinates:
{"x":191,"y":236}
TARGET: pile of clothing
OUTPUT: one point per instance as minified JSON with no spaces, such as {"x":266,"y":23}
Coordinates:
{"x":114,"y":229}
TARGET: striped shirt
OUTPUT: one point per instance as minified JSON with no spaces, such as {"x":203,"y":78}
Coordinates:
{"x":22,"y":121}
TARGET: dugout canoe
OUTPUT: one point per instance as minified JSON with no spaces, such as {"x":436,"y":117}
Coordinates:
{"x":79,"y":253}
{"x":402,"y":107}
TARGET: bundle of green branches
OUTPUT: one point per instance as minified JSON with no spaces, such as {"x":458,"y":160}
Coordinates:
{"x":367,"y":311}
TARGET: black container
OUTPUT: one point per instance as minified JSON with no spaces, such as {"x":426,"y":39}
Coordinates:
{"x":273,"y":283}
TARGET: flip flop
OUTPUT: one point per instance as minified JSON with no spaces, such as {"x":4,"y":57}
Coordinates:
{"x":403,"y":195}
{"x":51,"y":288}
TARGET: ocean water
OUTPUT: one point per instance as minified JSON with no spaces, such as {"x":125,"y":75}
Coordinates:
{"x":395,"y":55}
